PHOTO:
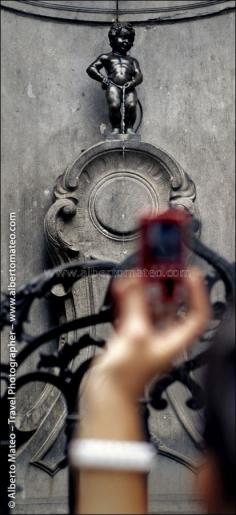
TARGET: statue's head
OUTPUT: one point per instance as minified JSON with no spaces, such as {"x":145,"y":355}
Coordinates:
{"x":121,"y":37}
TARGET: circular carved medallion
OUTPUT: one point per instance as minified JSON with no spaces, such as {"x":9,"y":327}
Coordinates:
{"x":116,"y":201}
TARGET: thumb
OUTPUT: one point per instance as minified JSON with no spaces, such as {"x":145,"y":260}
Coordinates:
{"x":131,"y":305}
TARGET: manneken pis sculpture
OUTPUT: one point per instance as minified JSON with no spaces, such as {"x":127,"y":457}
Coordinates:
{"x":123,"y":74}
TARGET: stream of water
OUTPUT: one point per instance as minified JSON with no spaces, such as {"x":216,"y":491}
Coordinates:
{"x":123,"y":121}
{"x":124,"y":251}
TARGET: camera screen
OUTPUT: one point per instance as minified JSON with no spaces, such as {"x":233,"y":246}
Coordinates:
{"x":164,"y":240}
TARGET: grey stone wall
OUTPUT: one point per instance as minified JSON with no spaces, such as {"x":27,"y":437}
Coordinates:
{"x":51,"y":111}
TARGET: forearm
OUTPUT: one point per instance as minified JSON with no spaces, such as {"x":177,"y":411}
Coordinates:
{"x":133,"y":357}
{"x":109,"y":414}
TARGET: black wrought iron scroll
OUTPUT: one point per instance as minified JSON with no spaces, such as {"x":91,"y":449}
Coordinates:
{"x":68,"y":382}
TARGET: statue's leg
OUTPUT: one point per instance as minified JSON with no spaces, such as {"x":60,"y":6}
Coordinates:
{"x":114,"y":103}
{"x":130,"y":110}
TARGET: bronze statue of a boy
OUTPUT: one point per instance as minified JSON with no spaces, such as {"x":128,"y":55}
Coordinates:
{"x":123,"y":74}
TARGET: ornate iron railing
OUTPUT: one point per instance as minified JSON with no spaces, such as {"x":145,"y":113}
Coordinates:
{"x":68,"y":382}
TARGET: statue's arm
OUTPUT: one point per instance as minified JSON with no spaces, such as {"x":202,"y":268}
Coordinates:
{"x":94,"y":69}
{"x":138,"y":76}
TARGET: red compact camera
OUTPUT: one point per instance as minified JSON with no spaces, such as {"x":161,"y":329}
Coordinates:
{"x":164,"y":252}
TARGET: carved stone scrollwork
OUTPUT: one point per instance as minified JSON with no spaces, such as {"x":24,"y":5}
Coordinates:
{"x":101,"y":195}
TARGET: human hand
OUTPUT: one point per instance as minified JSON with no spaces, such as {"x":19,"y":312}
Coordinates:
{"x":105,"y":83}
{"x":138,"y":350}
{"x":129,"y":86}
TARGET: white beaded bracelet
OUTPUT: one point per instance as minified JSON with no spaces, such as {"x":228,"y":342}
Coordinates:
{"x":111,"y":454}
